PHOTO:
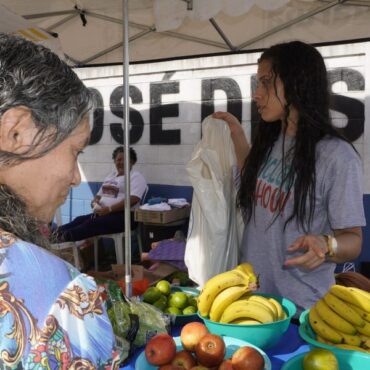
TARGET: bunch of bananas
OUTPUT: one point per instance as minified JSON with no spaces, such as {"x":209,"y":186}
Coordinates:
{"x":342,"y":318}
{"x":228,"y":298}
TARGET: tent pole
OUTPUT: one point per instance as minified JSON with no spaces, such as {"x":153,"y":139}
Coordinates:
{"x":126,"y":143}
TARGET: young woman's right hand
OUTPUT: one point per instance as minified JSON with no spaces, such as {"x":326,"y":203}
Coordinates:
{"x":231,"y":120}
{"x":237,"y":134}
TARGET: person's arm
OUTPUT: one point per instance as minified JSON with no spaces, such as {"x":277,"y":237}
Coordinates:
{"x":120,"y":206}
{"x":317,"y":250}
{"x":349,"y":244}
{"x":340,"y":184}
{"x":238,"y":137}
{"x":79,"y":300}
{"x":96,"y":200}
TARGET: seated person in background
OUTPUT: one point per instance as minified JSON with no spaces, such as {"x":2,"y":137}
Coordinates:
{"x":170,"y":251}
{"x":52,"y":316}
{"x":108,"y":205}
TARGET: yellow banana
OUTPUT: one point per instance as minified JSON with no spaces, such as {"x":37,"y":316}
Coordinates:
{"x":365,"y":341}
{"x":244,"y":321}
{"x":353,"y":340}
{"x":333,"y":319}
{"x":364,"y":329}
{"x":217,"y":284}
{"x":263,"y":300}
{"x":365,"y":315}
{"x":343,"y":309}
{"x":355,"y":296}
{"x":247,"y":268}
{"x":224,"y":299}
{"x":322,"y":340}
{"x":361,"y":291}
{"x":279,"y":308}
{"x":246,"y":309}
{"x":246,"y":295}
{"x":321,"y":328}
{"x":350,"y":347}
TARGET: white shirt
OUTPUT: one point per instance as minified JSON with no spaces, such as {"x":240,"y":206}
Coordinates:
{"x":112,"y":190}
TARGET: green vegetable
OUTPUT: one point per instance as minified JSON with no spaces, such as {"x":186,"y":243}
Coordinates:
{"x":151,"y":322}
{"x":119,"y":316}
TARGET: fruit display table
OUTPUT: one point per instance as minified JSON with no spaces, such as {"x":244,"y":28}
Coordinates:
{"x":290,"y":345}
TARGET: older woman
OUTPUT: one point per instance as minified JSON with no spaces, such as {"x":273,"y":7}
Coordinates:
{"x":51,"y":316}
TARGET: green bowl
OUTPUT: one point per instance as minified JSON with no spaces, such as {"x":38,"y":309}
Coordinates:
{"x":308,"y":335}
{"x":263,"y":335}
{"x":346,"y":361}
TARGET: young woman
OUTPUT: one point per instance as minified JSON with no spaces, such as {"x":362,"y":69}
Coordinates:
{"x":51,"y":316}
{"x":301,"y":182}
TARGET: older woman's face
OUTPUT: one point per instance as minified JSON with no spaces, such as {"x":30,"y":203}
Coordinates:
{"x":44,"y":182}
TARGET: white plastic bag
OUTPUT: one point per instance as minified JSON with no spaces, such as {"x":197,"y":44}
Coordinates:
{"x":216,"y":226}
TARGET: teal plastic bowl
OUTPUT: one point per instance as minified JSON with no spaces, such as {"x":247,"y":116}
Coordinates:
{"x":350,"y":358}
{"x":232,"y":344}
{"x":181,"y":320}
{"x":264,"y":335}
{"x":346,"y":361}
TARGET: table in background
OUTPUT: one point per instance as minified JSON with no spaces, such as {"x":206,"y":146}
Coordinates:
{"x":153,"y":232}
{"x":290,"y":345}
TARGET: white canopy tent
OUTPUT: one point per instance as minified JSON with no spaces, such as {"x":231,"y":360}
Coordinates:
{"x":176,"y":28}
{"x":94,"y":32}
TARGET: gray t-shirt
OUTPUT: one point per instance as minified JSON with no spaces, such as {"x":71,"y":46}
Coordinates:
{"x":339,"y":205}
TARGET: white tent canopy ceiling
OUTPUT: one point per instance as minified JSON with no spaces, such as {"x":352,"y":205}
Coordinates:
{"x":90,"y":31}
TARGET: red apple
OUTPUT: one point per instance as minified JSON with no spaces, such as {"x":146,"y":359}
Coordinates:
{"x":191,"y":334}
{"x":170,"y":367}
{"x":184,"y":359}
{"x":160,"y":350}
{"x":200,"y":367}
{"x":226,"y":365}
{"x":247,"y":358}
{"x":210,"y":350}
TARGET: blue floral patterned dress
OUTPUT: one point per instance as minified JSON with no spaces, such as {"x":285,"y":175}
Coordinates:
{"x":51,"y":315}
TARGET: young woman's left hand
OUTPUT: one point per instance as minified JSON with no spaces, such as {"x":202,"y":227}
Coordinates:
{"x":314,"y":248}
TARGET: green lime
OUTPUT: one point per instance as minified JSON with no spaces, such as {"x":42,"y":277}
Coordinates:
{"x":320,"y":359}
{"x":178,"y":299}
{"x":172,"y":310}
{"x":161,"y":303}
{"x":190,"y":310}
{"x":151,"y":295}
{"x":181,"y":277}
{"x":193,"y":302}
{"x":164,"y":286}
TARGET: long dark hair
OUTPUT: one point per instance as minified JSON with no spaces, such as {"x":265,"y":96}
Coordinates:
{"x":302,"y":71}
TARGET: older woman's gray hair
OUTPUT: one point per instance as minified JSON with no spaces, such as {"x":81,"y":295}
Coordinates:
{"x":34,"y":77}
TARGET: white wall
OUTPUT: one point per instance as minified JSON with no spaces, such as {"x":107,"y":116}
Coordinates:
{"x":187,"y":81}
